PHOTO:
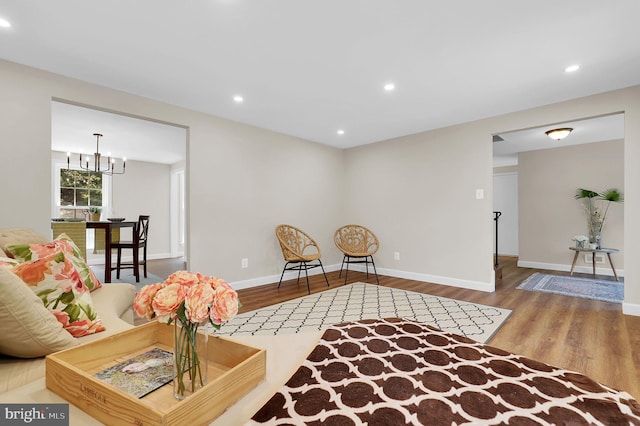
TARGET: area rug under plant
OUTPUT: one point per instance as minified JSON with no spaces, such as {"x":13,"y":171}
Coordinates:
{"x":587,"y":288}
{"x":368,"y":301}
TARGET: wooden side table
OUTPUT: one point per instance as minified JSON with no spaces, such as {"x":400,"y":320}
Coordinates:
{"x":607,"y":251}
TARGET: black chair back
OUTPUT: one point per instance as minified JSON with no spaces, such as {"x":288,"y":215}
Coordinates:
{"x":142,"y":229}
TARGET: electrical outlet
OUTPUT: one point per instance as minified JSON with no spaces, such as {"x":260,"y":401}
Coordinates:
{"x":245,"y":262}
{"x":479,"y":194}
{"x":599,"y":258}
{"x":396,"y":255}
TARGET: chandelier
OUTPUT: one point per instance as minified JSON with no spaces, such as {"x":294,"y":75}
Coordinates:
{"x":96,"y":164}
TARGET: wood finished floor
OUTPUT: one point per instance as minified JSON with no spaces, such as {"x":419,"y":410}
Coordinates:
{"x":591,"y":337}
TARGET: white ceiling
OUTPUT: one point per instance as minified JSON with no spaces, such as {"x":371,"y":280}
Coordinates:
{"x":72,"y":129}
{"x":308,"y":68}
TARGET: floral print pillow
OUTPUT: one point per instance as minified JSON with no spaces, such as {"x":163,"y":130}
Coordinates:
{"x":56,"y":281}
{"x":8,"y":262}
{"x":64,"y":244}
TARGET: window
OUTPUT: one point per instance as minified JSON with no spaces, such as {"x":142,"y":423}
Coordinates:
{"x":79,"y":190}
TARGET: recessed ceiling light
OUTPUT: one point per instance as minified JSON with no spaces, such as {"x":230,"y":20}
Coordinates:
{"x":572,"y":68}
{"x":389,"y":87}
{"x":238,"y":99}
{"x":4,"y":23}
{"x":340,"y":132}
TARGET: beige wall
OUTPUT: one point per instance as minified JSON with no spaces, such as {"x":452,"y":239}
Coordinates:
{"x":417,"y":192}
{"x":241,"y":181}
{"x":144,"y":190}
{"x":421,"y":192}
{"x":549,"y":215}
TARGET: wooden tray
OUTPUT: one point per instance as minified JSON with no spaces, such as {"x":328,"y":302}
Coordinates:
{"x":234,"y":369}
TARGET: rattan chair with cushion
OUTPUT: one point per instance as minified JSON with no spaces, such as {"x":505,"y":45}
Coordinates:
{"x":139,"y":241}
{"x":358,"y":245}
{"x":300,"y":252}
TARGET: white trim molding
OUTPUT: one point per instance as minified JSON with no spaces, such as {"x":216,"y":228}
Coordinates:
{"x":434,"y":279}
{"x":631,"y":309}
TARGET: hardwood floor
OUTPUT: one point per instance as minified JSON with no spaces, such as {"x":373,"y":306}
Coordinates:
{"x":587,"y":336}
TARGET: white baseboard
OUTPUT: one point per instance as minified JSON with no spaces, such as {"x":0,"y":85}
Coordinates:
{"x":436,"y":279}
{"x":454,"y":282}
{"x":584,"y":269}
{"x":255,"y":282}
{"x":631,"y":309}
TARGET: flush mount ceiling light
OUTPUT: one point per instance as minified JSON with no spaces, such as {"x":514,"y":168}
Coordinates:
{"x":239,"y":99}
{"x":558,"y":134}
{"x":340,"y":132}
{"x":389,"y":87}
{"x":4,"y":23}
{"x":572,"y":68}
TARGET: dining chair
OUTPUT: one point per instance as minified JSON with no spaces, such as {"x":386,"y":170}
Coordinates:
{"x":300,"y":252}
{"x":358,"y":244}
{"x":139,"y":241}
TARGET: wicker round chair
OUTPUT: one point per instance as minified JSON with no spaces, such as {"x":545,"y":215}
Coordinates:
{"x":300,"y":252}
{"x":358,"y":244}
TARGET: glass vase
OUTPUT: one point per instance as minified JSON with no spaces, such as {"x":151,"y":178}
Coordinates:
{"x":595,"y":238}
{"x":190,"y":359}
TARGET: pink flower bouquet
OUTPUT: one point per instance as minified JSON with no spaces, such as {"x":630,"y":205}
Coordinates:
{"x":189,"y":300}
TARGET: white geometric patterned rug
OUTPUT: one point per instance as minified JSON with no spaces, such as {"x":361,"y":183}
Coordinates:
{"x":368,"y":301}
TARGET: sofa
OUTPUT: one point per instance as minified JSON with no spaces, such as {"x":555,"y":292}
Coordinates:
{"x":31,"y":331}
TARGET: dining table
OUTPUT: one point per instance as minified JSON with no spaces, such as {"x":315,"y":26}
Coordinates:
{"x":108,"y":227}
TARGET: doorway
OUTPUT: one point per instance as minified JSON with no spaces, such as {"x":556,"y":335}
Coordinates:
{"x":153,"y":151}
{"x":549,"y":174}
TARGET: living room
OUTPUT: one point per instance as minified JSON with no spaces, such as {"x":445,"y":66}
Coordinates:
{"x":251,"y":166}
{"x":242,"y":180}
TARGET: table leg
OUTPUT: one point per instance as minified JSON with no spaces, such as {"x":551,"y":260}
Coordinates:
{"x":573,"y":264}
{"x":612,"y":268}
{"x":107,"y":254}
{"x":593,"y":262}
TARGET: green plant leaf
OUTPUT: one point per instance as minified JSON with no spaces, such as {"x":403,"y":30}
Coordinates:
{"x":612,"y":195}
{"x":586,"y":193}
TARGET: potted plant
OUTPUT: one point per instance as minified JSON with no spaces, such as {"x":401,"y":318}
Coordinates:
{"x":95,"y":213}
{"x":596,"y":206}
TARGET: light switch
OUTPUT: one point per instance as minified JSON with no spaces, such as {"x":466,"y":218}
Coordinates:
{"x":479,"y":194}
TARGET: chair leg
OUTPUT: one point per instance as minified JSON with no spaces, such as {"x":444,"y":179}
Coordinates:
{"x":306,"y":273}
{"x":118,"y":263}
{"x":136,"y":263}
{"x":282,"y":275}
{"x":144,"y":259}
{"x":346,"y":273}
{"x":342,"y":266}
{"x":374,"y":270}
{"x":299,"y":272}
{"x":324,"y":273}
